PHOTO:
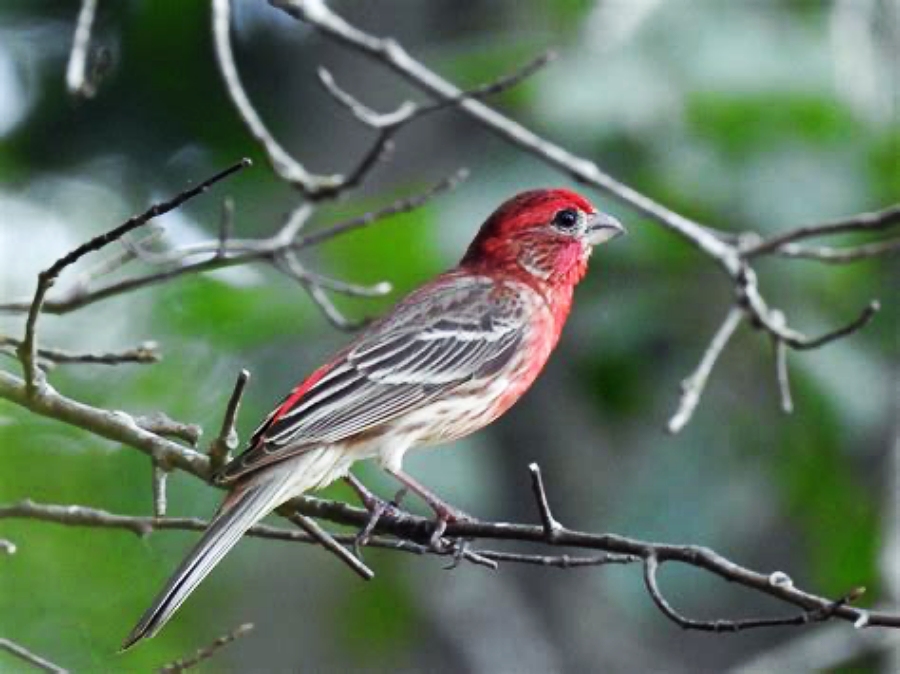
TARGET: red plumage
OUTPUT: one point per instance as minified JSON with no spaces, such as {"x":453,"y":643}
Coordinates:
{"x":445,"y":361}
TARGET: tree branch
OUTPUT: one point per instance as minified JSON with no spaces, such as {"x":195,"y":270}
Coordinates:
{"x":239,"y":252}
{"x":404,"y":532}
{"x":227,"y":439}
{"x":31,"y":658}
{"x":863,"y":222}
{"x":205,"y":653}
{"x":145,"y":353}
{"x":46,"y":279}
{"x":692,"y":387}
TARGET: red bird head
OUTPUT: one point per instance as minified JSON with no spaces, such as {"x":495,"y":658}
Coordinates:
{"x":546,"y":235}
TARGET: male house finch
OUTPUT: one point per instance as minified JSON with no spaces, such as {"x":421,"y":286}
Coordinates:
{"x":447,"y":360}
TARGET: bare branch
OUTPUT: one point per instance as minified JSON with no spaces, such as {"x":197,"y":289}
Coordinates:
{"x":239,"y":252}
{"x":753,"y":303}
{"x":692,"y":387}
{"x":388,"y":52}
{"x":551,"y":526}
{"x":875,"y":221}
{"x":147,"y":352}
{"x":116,"y":426}
{"x":77,"y":81}
{"x":227,"y":439}
{"x":362,"y":112}
{"x":31,"y":658}
{"x":160,"y":502}
{"x":559,"y":561}
{"x":46,"y":279}
{"x":404,"y":532}
{"x":162,"y":424}
{"x":389,"y":124}
{"x":284,"y":165}
{"x":333,"y":546}
{"x":783,"y":378}
{"x":288,"y":263}
{"x":831,"y":255}
{"x":819,"y":614}
{"x":366,"y":219}
{"x":206,"y":652}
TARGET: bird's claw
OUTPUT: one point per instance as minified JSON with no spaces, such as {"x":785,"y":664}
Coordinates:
{"x":444,"y":515}
{"x":378,"y":509}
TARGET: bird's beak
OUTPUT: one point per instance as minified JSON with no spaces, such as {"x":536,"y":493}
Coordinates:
{"x":602,"y":228}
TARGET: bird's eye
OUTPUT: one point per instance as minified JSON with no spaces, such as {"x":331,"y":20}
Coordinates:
{"x":566,"y":219}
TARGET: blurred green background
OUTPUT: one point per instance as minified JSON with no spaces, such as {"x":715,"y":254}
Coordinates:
{"x":752,"y":114}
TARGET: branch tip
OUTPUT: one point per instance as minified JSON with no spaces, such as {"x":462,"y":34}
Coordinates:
{"x":551,"y":526}
{"x":206,"y":652}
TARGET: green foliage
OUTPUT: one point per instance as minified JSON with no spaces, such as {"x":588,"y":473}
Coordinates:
{"x":759,"y":122}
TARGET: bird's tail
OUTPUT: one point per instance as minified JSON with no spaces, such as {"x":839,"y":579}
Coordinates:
{"x":243,"y":508}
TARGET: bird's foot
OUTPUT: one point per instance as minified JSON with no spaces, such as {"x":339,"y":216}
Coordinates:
{"x":445,"y":514}
{"x":378,"y":509}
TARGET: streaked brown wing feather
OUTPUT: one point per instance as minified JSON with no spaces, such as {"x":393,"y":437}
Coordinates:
{"x":436,"y":339}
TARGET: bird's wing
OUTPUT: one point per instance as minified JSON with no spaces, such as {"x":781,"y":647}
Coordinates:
{"x":446,"y":334}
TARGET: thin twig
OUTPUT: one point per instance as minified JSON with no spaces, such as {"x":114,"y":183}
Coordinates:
{"x":830,"y":255}
{"x":105,"y":266}
{"x":288,"y":264}
{"x":333,"y":546}
{"x":31,"y":658}
{"x":227,"y":439}
{"x":239,"y":252}
{"x":284,"y":165}
{"x":389,"y":124}
{"x":819,"y":614}
{"x":28,"y":349}
{"x":390,"y":53}
{"x":768,"y":319}
{"x":551,"y":526}
{"x":145,"y":353}
{"x":874,"y":221}
{"x":77,"y":81}
{"x":559,"y":561}
{"x":206,"y":652}
{"x":160,"y":502}
{"x":404,"y":205}
{"x":782,"y":374}
{"x":692,"y":387}
{"x":163,"y":425}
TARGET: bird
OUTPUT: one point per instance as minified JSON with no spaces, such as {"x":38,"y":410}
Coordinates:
{"x":447,"y":360}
